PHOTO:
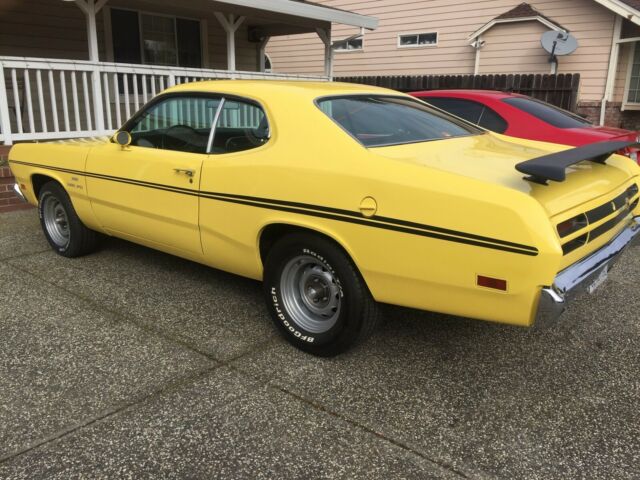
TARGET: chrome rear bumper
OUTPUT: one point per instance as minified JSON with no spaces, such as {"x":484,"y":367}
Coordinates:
{"x":18,"y":192}
{"x":581,"y":275}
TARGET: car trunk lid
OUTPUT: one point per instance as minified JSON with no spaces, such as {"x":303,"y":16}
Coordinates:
{"x":493,"y":158}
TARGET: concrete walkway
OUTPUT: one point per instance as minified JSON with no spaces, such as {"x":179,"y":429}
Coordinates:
{"x":133,"y":364}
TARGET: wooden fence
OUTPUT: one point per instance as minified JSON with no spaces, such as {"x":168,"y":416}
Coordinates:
{"x":560,"y":90}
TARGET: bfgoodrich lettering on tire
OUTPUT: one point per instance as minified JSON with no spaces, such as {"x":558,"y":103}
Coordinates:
{"x":316,"y":296}
{"x":62,"y":227}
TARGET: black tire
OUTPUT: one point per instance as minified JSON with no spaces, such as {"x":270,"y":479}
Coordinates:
{"x":79,"y":239}
{"x":357,"y":313}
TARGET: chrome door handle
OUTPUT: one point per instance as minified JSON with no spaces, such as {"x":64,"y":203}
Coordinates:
{"x":185,"y":171}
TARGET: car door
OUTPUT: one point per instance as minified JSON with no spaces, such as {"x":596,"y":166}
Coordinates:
{"x":148,"y":191}
{"x":236,"y":170}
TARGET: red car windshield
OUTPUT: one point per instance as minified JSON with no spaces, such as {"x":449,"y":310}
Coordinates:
{"x":547,"y":113}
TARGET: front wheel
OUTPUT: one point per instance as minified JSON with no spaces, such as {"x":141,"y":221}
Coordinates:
{"x":62,"y":227}
{"x":316,"y":296}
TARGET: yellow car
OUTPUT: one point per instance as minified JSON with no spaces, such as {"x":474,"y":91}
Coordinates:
{"x":339,"y":196}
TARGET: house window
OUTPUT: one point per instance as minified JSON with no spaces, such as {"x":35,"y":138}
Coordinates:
{"x":428,"y":39}
{"x":350,"y":45}
{"x":155,"y":39}
{"x":633,"y":84}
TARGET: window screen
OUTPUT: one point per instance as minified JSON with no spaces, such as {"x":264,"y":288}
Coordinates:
{"x":417,"y":39}
{"x":155,"y":39}
{"x":634,"y":80}
{"x":349,"y":45}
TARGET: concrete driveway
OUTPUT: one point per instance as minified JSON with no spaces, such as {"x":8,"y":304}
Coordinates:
{"x":134,"y":364}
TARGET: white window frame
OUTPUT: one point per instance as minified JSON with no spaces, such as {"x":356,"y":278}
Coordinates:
{"x":204,"y":54}
{"x":353,"y":50}
{"x":430,"y":45}
{"x":626,"y":104}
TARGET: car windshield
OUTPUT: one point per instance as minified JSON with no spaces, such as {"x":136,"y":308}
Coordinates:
{"x":547,"y":113}
{"x":378,"y":120}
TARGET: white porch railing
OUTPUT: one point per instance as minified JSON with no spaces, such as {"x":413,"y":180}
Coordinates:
{"x":45,"y":99}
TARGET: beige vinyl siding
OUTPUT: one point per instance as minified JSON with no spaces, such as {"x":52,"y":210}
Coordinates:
{"x":515,"y":47}
{"x":42,"y":28}
{"x":591,"y":23}
{"x":57,"y":29}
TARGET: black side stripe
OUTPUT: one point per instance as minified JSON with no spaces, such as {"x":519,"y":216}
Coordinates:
{"x":330,"y":213}
{"x":376,"y":219}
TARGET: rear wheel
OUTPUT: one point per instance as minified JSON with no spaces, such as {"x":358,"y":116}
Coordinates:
{"x":62,"y":227}
{"x":316,"y":296}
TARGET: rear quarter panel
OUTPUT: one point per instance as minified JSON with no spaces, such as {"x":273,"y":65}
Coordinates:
{"x":329,"y":169}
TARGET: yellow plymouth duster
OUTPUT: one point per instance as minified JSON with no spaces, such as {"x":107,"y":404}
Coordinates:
{"x":339,"y":196}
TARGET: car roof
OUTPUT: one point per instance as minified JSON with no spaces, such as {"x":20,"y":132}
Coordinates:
{"x":496,"y":94}
{"x":257,"y":88}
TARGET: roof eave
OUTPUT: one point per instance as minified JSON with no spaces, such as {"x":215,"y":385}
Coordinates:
{"x":498,"y":21}
{"x":622,"y":9}
{"x":316,"y":12}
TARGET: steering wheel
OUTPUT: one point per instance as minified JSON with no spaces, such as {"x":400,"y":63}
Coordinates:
{"x":176,"y":137}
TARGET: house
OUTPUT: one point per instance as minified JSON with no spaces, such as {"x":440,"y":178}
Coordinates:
{"x":446,"y":37}
{"x":75,"y":68}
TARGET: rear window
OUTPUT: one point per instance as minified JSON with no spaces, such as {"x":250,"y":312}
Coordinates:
{"x":377,"y":120}
{"x":547,"y":113}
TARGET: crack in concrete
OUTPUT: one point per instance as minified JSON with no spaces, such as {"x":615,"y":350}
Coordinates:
{"x":184,"y":381}
{"x":397,"y":443}
{"x":121,"y":407}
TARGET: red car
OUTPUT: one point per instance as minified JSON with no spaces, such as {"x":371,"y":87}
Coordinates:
{"x":525,"y":117}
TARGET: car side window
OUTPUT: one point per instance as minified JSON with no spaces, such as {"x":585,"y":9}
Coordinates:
{"x":180,"y":123}
{"x":466,"y":109}
{"x":472,"y":111}
{"x":242,"y":125}
{"x":491,"y":120}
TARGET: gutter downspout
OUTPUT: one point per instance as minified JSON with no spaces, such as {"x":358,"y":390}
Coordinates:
{"x":477,"y":45}
{"x":613,"y":65}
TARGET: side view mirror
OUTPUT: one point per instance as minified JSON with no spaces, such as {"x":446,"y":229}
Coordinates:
{"x":123,"y":138}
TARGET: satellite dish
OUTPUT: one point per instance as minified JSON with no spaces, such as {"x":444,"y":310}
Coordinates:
{"x":559,"y":43}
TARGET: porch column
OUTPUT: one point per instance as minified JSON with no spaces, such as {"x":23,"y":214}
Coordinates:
{"x":91,"y":9}
{"x":325,"y":36}
{"x":230,"y":24}
{"x":5,"y":119}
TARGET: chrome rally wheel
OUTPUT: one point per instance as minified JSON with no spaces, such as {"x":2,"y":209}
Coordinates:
{"x":62,"y":227}
{"x":316,"y":295}
{"x":56,"y":221}
{"x":310,"y":293}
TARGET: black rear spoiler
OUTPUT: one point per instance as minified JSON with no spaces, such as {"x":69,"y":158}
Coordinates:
{"x":553,"y":166}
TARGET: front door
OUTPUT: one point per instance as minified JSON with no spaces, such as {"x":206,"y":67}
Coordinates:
{"x":148,"y":191}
